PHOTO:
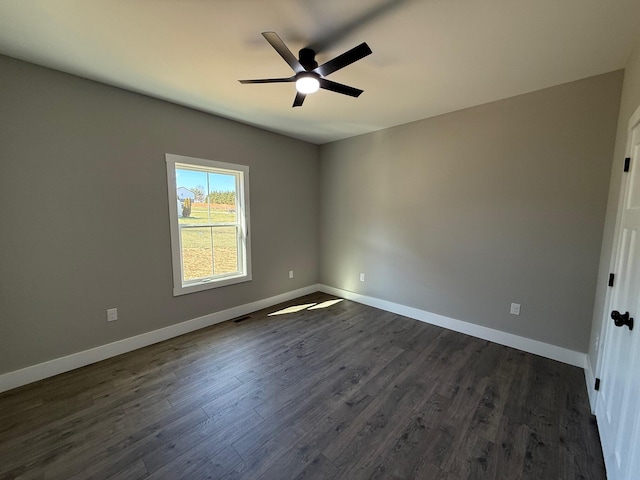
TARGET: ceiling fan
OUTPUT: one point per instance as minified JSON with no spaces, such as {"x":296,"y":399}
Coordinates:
{"x":309,"y":77}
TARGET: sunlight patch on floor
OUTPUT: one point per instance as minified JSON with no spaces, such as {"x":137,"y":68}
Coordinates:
{"x":293,"y":309}
{"x":306,"y":306}
{"x":326,"y":304}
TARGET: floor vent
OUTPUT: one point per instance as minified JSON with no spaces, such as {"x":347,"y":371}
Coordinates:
{"x":241,"y":319}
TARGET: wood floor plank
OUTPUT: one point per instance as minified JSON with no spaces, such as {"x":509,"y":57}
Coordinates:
{"x":291,"y":464}
{"x":212,"y":435}
{"x":405,"y":457}
{"x":348,"y":404}
{"x":320,"y":468}
{"x":509,"y":452}
{"x":206,"y":460}
{"x":345,"y":392}
{"x":104,"y":462}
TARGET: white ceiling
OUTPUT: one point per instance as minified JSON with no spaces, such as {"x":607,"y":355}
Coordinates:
{"x":429,"y":56}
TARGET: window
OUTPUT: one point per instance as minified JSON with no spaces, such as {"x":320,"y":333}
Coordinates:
{"x":209,"y":215}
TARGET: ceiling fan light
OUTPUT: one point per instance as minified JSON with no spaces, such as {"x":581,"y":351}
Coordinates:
{"x":307,"y":84}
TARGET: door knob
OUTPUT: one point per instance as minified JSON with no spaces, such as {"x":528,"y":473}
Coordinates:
{"x":622,"y":319}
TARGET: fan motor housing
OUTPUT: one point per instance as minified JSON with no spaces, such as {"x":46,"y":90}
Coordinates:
{"x":307,"y":59}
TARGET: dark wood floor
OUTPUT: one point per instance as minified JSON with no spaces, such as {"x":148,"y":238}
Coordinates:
{"x":344,"y":392}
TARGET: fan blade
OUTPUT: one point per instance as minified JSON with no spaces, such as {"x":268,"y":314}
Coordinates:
{"x":341,"y":61}
{"x":280,"y":47}
{"x":340,"y":88}
{"x":299,"y":99}
{"x":269,"y":80}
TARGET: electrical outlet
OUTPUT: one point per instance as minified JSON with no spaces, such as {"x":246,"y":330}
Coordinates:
{"x":112,"y":314}
{"x":362,"y":277}
{"x":290,"y":273}
{"x":515,"y":309}
{"x":597,"y":342}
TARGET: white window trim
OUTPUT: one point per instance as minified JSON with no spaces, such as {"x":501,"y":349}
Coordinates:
{"x":242,"y":210}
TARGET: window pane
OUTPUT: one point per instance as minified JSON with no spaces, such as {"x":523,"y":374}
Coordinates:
{"x":191,"y":190}
{"x":197,"y":255}
{"x":198,"y":213}
{"x":225,"y":247}
{"x":222,"y":197}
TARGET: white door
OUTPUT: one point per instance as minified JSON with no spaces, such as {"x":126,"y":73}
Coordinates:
{"x":618,"y":407}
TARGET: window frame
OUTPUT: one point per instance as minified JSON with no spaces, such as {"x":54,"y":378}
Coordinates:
{"x":181,"y":287}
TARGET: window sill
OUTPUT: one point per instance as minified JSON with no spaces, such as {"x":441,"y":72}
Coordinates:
{"x":210,"y":284}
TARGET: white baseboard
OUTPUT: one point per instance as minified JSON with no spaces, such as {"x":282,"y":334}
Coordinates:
{"x":56,"y":366}
{"x":546,"y":350}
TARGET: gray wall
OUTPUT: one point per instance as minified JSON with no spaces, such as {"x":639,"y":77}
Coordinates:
{"x":462,"y":214}
{"x":629,"y":103}
{"x":85,"y":223}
